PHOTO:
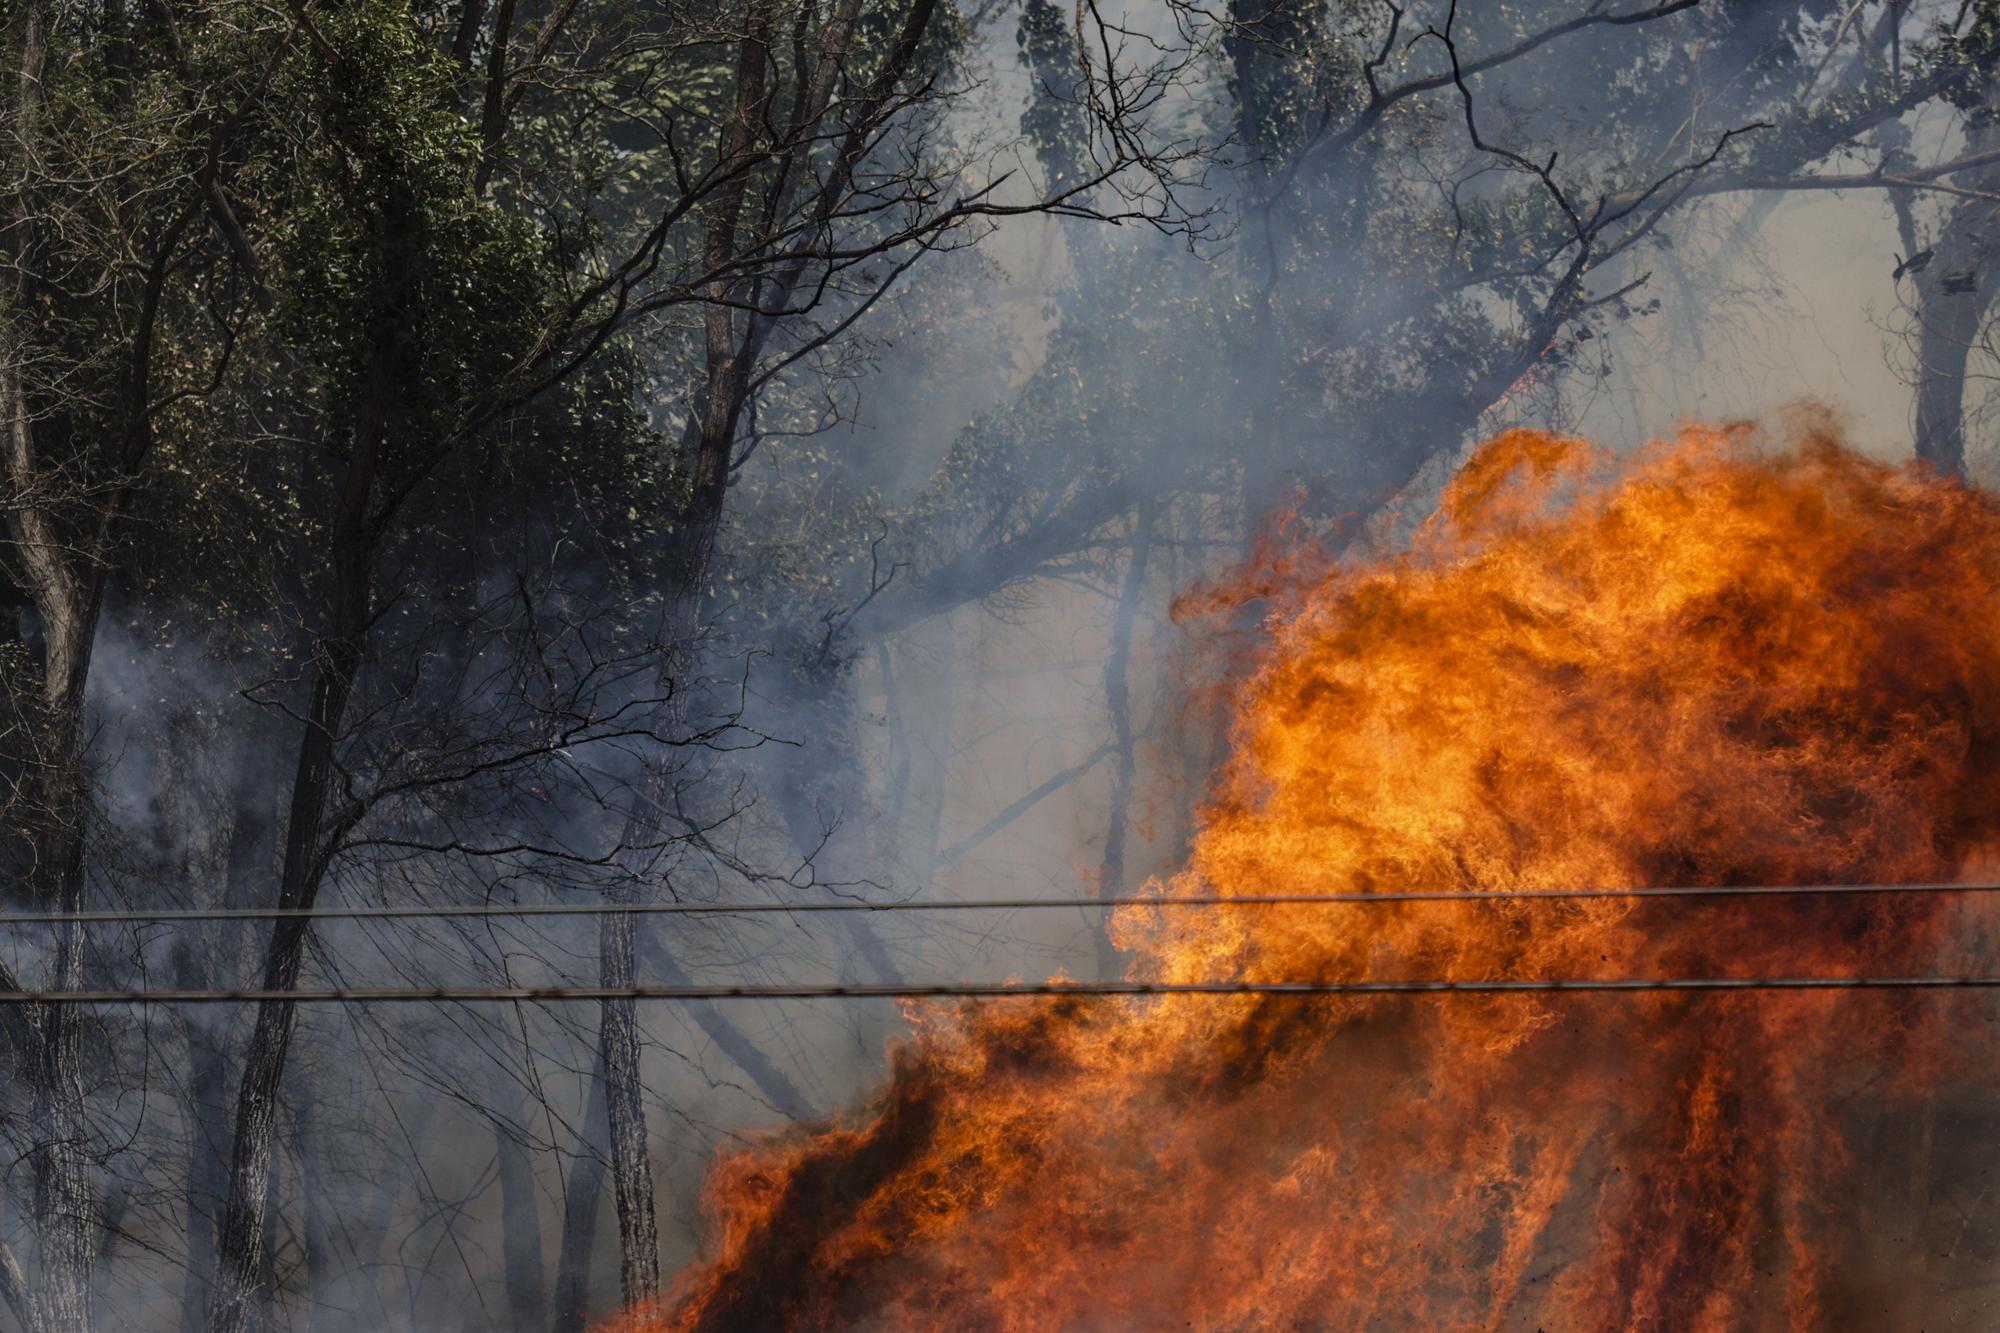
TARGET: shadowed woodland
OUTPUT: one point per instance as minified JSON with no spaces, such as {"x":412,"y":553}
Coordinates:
{"x":491,"y":453}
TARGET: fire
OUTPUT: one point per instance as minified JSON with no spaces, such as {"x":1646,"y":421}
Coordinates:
{"x":1723,"y":660}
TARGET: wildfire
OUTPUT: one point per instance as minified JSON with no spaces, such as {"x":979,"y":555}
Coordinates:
{"x":1723,"y":660}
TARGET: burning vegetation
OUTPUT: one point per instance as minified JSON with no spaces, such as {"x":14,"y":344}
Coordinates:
{"x":1721,"y":661}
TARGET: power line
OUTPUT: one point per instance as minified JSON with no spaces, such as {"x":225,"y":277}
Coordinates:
{"x":989,"y":990}
{"x":528,"y":910}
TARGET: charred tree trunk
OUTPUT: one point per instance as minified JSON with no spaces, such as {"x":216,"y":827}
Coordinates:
{"x":64,"y":565}
{"x":239,"y":1256}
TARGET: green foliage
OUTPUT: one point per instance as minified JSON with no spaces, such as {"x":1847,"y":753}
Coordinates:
{"x":1970,"y":55}
{"x":388,"y":239}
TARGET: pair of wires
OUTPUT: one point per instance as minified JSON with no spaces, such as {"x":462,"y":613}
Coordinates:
{"x":974,"y":989}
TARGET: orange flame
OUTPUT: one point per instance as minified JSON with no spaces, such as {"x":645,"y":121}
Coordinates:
{"x":1719,"y":661}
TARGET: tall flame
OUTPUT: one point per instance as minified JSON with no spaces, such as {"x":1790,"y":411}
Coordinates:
{"x":1720,"y":661}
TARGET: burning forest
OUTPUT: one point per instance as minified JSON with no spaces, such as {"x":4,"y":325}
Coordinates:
{"x":1718,"y":662}
{"x":901,"y":664}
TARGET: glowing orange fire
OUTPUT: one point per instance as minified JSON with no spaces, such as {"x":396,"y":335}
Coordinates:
{"x":1720,"y":661}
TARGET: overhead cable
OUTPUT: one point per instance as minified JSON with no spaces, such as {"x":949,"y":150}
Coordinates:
{"x":984,"y":990}
{"x":416,"y":912}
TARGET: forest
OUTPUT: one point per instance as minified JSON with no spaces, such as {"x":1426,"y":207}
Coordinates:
{"x":515,"y":505}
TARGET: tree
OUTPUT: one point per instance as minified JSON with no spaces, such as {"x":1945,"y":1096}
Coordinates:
{"x":464,"y":453}
{"x":116,"y":170}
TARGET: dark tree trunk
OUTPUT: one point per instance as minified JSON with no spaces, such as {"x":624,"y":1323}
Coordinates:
{"x":208,"y":1053}
{"x":707,"y":447}
{"x":267,"y":1266}
{"x":625,"y":1109}
{"x":65,"y":1208}
{"x":65,"y":1222}
{"x":732,"y":341}
{"x":67,"y":603}
{"x":239,"y":1246}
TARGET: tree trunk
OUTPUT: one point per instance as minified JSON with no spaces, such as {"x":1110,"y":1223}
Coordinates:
{"x":318,"y":1209}
{"x":239,"y":1249}
{"x":618,"y":1023}
{"x":65,"y":1211}
{"x":239,"y":1256}
{"x":208,"y":1053}
{"x":65,"y":1221}
{"x":520,"y":1216}
{"x":1118,"y":701}
{"x":13,"y":1282}
{"x":624,"y":1104}
{"x":67,"y":604}
{"x":266,"y":1317}
{"x":1954,"y":292}
{"x":208,"y":1156}
{"x":582,"y":1192}
{"x":68,"y":607}
{"x":731,"y":345}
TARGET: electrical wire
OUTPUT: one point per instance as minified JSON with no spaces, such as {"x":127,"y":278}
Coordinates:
{"x":516,"y":994}
{"x":985,"y":990}
{"x":530,"y":910}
